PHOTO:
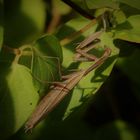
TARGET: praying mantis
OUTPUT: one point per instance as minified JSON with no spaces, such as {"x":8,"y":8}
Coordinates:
{"x":61,"y":89}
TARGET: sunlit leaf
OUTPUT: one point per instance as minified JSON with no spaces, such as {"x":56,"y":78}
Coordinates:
{"x":119,"y":16}
{"x":129,"y":30}
{"x":18,"y":98}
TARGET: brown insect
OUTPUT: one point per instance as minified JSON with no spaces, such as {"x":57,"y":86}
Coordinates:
{"x":55,"y":96}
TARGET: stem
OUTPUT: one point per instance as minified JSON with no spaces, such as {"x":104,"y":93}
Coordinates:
{"x":15,"y":51}
{"x":56,"y":16}
{"x":78,"y":9}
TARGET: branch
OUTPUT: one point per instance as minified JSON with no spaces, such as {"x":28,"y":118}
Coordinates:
{"x":78,"y":9}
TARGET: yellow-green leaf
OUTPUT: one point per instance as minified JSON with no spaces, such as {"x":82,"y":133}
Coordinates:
{"x":18,"y":98}
{"x":129,"y":30}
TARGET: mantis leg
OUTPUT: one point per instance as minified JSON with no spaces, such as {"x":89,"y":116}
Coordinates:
{"x":82,"y":54}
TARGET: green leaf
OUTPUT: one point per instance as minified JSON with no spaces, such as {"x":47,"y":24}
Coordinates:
{"x":93,"y":81}
{"x":129,"y":30}
{"x":95,"y":4}
{"x":24,"y":21}
{"x":48,"y":45}
{"x":132,"y":3}
{"x":118,"y":17}
{"x":1,"y":23}
{"x":46,"y":63}
{"x":18,"y":97}
{"x":128,"y":10}
{"x":61,"y":7}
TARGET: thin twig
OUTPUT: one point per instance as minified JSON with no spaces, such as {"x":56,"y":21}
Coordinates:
{"x":56,"y":17}
{"x":15,"y":51}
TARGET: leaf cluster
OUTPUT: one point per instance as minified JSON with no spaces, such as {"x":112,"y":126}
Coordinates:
{"x":37,"y":47}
